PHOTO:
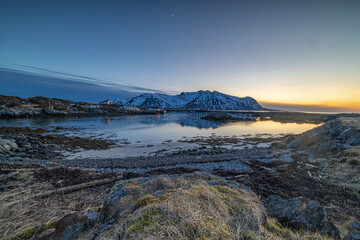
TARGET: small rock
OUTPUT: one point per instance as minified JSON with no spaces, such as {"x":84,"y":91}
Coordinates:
{"x":27,"y":146}
{"x":92,"y":216}
{"x":347,"y":132}
{"x":14,"y":158}
{"x":50,"y":149}
{"x":21,"y":154}
{"x":6,"y":148}
{"x":353,"y":235}
{"x":330,"y":229}
{"x":356,"y":225}
{"x":14,"y":146}
{"x":353,"y":141}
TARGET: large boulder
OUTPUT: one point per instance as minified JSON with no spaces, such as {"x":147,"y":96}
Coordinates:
{"x":119,"y":190}
{"x":300,"y":214}
{"x":7,"y":145}
{"x":186,"y":206}
{"x":70,"y":226}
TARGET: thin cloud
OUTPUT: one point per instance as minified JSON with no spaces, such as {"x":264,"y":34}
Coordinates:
{"x":76,"y":77}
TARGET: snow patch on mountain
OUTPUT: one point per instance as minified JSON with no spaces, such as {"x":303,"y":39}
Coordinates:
{"x":200,"y":100}
{"x":121,"y":101}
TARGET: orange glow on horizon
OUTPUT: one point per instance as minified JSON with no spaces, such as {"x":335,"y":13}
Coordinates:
{"x":332,"y":94}
{"x":346,"y":106}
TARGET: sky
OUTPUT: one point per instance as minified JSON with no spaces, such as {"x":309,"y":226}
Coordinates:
{"x":293,"y":55}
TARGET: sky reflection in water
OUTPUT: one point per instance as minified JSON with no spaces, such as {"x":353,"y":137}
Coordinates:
{"x":158,"y":128}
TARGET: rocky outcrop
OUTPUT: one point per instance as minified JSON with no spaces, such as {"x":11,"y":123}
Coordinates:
{"x":334,"y":147}
{"x":72,"y":225}
{"x":130,"y":201}
{"x":19,"y":145}
{"x":22,"y":147}
{"x":356,"y":225}
{"x":24,"y":112}
{"x":301,"y":214}
{"x":355,"y":233}
{"x":119,"y":190}
{"x":333,"y":136}
{"x":16,"y":107}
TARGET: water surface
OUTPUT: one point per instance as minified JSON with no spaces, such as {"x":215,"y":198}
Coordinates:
{"x":158,"y":128}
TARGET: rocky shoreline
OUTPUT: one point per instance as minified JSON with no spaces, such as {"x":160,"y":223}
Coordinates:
{"x":17,"y":107}
{"x":26,"y":144}
{"x":320,"y":165}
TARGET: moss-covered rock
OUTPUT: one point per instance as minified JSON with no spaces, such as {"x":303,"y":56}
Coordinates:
{"x":189,"y":206}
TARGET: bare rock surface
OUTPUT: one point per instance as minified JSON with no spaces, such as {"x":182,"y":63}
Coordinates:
{"x":70,"y":226}
{"x":299,"y":213}
{"x":334,"y":136}
{"x":353,"y":235}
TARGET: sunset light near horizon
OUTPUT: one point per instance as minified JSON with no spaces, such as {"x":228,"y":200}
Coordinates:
{"x":289,"y":55}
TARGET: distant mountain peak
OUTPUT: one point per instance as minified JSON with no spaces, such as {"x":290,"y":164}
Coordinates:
{"x":200,"y":100}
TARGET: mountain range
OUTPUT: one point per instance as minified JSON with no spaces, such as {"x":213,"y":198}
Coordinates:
{"x":200,"y":100}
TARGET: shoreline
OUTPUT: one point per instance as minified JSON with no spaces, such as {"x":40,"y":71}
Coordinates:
{"x":12,"y":107}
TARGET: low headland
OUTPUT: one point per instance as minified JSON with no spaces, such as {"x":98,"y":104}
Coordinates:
{"x":17,"y":107}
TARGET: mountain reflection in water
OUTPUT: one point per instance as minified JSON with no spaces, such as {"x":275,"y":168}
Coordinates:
{"x":157,"y":128}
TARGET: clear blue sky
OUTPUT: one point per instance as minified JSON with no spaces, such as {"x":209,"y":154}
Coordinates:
{"x":279,"y":52}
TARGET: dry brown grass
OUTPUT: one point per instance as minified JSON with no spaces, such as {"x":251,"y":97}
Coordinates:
{"x":353,"y":156}
{"x":351,"y":122}
{"x":197,"y":211}
{"x":20,"y":211}
{"x":275,"y":231}
{"x":163,"y":183}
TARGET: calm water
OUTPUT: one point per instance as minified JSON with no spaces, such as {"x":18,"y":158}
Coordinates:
{"x":157,"y":128}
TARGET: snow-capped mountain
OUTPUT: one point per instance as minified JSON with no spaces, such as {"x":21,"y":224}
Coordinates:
{"x":149,"y":100}
{"x":201,"y":100}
